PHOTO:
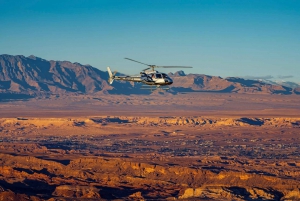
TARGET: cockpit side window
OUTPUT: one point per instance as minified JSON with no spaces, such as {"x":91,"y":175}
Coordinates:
{"x":165,"y":75}
{"x":158,"y":76}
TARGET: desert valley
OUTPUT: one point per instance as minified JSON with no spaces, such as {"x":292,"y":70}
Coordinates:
{"x":65,"y":134}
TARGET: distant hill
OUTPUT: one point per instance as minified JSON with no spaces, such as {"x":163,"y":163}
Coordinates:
{"x":282,"y":83}
{"x":33,"y":75}
{"x":198,"y":82}
{"x":36,"y":76}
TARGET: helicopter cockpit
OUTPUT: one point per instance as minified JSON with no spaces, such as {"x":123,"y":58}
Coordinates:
{"x":162,"y":77}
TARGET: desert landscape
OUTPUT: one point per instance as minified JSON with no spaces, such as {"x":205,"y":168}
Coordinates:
{"x":134,"y":100}
{"x":192,"y":146}
{"x":142,"y":100}
{"x":65,"y":134}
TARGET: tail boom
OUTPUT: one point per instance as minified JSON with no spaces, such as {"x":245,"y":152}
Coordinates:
{"x":112,"y":77}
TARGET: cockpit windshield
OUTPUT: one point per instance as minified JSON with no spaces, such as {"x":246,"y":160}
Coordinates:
{"x":165,"y":75}
{"x":158,"y":76}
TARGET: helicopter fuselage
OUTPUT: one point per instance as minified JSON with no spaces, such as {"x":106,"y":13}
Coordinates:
{"x":152,"y":78}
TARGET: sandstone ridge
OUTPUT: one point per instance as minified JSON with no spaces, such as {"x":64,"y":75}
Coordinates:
{"x":150,"y":121}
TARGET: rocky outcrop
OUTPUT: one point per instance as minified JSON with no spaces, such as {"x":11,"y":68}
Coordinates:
{"x":136,"y":196}
{"x":87,"y":177}
{"x":11,"y":196}
{"x":234,"y":193}
{"x":216,"y":122}
{"x":31,"y":125}
{"x":72,"y":191}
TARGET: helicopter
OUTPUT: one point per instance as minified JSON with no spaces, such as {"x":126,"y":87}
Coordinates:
{"x":148,"y":76}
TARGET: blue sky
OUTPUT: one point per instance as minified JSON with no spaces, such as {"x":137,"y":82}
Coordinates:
{"x":254,"y":38}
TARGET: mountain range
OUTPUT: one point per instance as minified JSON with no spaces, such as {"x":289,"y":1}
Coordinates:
{"x":35,"y":76}
{"x":281,"y":82}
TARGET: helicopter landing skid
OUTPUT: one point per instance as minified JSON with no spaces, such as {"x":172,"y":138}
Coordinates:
{"x":154,"y":87}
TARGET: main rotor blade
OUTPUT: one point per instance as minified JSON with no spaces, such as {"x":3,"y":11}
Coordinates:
{"x":173,"y":67}
{"x":137,"y":61}
{"x":146,"y":69}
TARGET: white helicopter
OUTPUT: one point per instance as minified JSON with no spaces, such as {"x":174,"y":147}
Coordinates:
{"x":148,"y":76}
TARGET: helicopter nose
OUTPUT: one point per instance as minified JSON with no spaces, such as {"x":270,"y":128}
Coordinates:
{"x":169,"y":81}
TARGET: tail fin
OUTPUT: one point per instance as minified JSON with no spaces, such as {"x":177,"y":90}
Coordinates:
{"x":111,"y":76}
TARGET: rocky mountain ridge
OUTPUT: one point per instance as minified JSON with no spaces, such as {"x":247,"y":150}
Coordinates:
{"x":281,"y":82}
{"x":36,"y":76}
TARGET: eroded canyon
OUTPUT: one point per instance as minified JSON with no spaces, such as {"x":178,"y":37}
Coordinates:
{"x":190,"y":146}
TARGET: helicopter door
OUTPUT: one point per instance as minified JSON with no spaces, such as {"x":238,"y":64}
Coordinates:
{"x":159,"y":79}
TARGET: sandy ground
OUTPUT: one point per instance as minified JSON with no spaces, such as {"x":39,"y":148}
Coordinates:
{"x":206,"y":104}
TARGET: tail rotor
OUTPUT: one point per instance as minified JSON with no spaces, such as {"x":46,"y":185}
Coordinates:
{"x":111,"y":75}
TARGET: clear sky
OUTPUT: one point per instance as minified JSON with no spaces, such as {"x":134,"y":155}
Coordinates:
{"x":254,"y":38}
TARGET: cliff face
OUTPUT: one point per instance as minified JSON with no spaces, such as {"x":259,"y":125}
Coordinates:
{"x":34,"y":75}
